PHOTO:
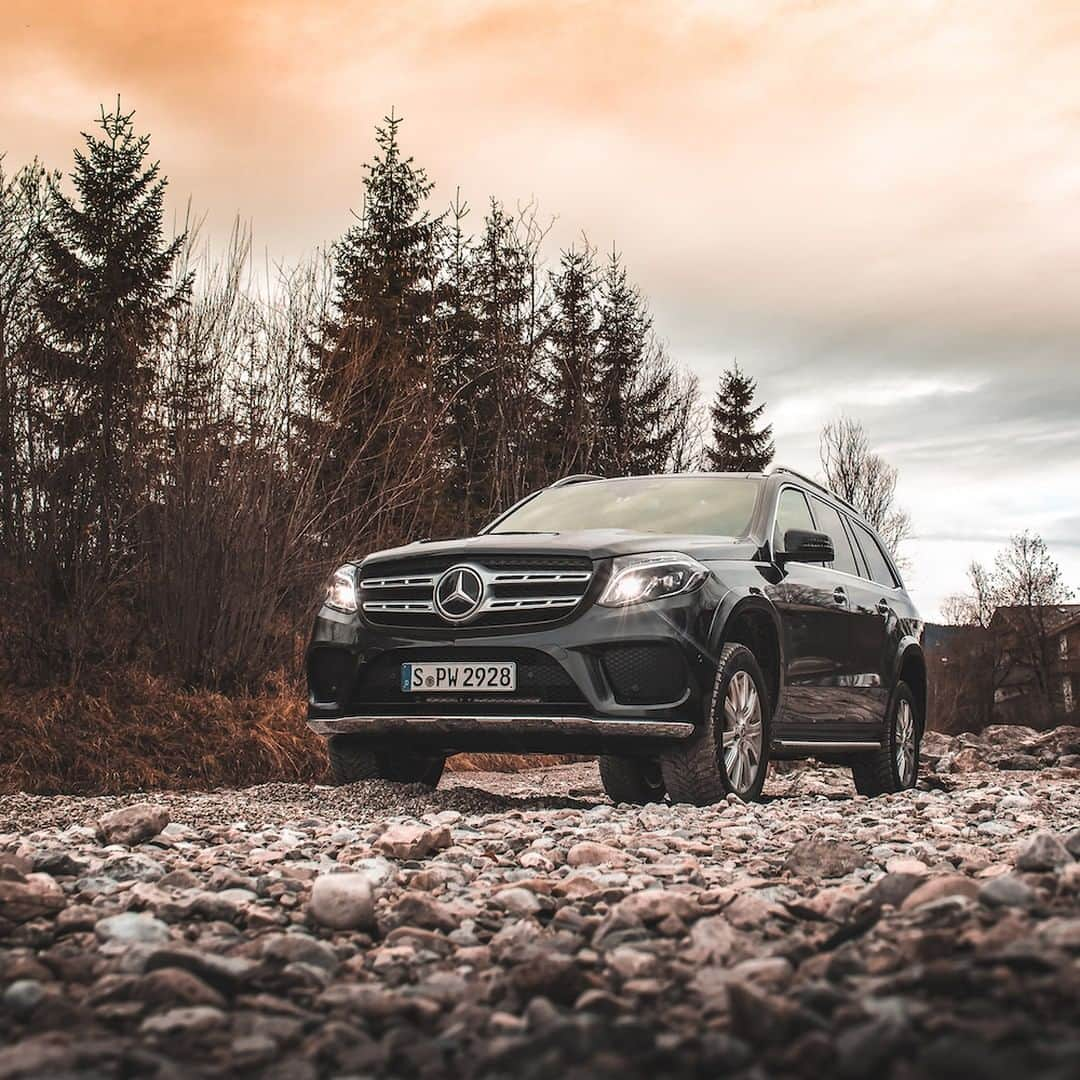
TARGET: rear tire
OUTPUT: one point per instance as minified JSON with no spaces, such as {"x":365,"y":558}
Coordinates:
{"x":352,"y":760}
{"x":895,"y":767}
{"x":631,"y":780}
{"x":730,"y":750}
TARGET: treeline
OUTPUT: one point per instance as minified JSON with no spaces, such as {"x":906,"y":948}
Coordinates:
{"x":184,"y":452}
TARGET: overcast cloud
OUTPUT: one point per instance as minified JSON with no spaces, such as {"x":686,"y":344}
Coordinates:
{"x":874,"y":206}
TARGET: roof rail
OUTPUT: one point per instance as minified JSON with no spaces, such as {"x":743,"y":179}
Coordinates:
{"x":813,"y":483}
{"x":577,"y":478}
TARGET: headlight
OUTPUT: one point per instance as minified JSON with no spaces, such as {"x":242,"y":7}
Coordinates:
{"x":341,"y":592}
{"x":637,"y":578}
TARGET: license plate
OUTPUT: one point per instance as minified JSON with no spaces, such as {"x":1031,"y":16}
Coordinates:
{"x":429,"y":678}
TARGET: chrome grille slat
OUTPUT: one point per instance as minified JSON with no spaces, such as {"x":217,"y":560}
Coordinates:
{"x":398,"y":582}
{"x":419,"y":606}
{"x":525,"y":603}
{"x":540,"y":576}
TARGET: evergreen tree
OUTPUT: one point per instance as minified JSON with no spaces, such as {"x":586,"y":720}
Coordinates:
{"x":458,"y":382}
{"x":738,"y":445}
{"x":371,"y":374}
{"x":635,"y":423}
{"x":509,"y":390}
{"x":572,"y":340}
{"x":106,"y":296}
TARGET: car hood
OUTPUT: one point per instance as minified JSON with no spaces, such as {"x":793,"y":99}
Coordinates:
{"x":594,"y":543}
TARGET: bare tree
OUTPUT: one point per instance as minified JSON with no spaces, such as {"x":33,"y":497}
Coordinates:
{"x":1025,"y":583}
{"x":864,"y":478}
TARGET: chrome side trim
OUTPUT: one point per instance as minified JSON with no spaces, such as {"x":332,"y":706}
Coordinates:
{"x":461,"y":725}
{"x":829,"y":747}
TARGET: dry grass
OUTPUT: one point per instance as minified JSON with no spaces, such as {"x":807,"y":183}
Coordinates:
{"x":138,"y":732}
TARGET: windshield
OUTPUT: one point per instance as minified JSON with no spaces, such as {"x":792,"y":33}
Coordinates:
{"x":675,"y":505}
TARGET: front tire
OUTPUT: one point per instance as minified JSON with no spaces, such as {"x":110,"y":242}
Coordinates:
{"x":352,"y":760}
{"x":729,"y":753}
{"x":895,"y":767}
{"x":631,"y":780}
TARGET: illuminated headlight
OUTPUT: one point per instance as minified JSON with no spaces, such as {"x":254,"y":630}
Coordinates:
{"x":341,"y":592}
{"x":637,"y":578}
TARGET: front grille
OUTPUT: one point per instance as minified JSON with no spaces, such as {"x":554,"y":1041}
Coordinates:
{"x":540,"y":679}
{"x":645,"y":674}
{"x":517,"y":589}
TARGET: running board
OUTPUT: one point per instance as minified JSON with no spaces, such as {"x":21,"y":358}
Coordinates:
{"x":825,"y":747}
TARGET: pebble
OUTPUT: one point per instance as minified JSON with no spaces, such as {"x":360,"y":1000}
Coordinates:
{"x":520,"y":924}
{"x":343,"y":901}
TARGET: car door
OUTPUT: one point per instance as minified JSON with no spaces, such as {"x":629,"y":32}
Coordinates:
{"x":874,"y":622}
{"x":814,"y":615}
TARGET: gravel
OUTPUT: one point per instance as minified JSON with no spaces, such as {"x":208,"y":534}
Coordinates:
{"x":522,"y":925}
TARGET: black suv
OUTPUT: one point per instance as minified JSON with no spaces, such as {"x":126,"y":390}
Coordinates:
{"x":686,"y":628}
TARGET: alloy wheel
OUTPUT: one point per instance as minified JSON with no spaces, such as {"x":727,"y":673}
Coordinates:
{"x":742,"y":731}
{"x":904,"y":742}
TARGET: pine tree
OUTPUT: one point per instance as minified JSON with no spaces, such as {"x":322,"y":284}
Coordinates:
{"x":371,"y":374}
{"x":635,"y":423}
{"x":572,"y":341}
{"x":106,"y":297}
{"x":459,"y":382}
{"x":738,"y":445}
{"x":509,"y":391}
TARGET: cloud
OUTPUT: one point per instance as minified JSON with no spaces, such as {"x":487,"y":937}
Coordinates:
{"x":872,"y":205}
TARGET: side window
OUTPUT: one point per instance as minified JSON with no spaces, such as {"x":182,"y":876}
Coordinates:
{"x":829,"y":522}
{"x":792,"y":512}
{"x":880,"y":570}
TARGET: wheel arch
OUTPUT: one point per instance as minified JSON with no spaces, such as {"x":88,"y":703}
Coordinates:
{"x":911,"y":669}
{"x":751,"y":620}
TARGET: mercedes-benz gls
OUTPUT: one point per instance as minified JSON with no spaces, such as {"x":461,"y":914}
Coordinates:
{"x":687,"y":629}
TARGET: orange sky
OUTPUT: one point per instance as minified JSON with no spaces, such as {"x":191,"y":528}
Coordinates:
{"x":875,"y":205}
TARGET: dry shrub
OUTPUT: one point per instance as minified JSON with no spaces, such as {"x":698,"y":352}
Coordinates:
{"x":508,"y":763}
{"x":135,"y":731}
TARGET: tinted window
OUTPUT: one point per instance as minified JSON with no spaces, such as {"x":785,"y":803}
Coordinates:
{"x":675,"y":505}
{"x":880,"y":570}
{"x":828,"y":521}
{"x":792,"y":512}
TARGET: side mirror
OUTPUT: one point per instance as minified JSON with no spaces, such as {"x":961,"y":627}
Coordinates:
{"x":805,"y":545}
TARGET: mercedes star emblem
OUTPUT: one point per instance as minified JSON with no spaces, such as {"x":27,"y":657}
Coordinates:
{"x":459,"y":593}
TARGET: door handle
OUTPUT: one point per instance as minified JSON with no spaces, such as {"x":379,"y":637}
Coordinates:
{"x":839,"y":595}
{"x":883,"y":607}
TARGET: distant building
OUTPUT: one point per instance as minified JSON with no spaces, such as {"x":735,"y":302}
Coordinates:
{"x":1038,"y":660}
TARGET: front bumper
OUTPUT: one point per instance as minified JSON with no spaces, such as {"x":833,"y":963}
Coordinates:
{"x":514,"y":732}
{"x":580,"y":710}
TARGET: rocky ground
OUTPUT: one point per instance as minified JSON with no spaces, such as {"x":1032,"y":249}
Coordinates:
{"x":521,"y":925}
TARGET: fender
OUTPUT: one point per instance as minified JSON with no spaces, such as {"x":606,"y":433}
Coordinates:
{"x":737,"y":600}
{"x":907,"y":647}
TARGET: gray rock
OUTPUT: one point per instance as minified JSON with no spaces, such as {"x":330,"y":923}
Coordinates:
{"x":133,"y":824}
{"x":1006,"y":891}
{"x":300,"y":948}
{"x":22,"y":996}
{"x":519,"y":901}
{"x":823,"y":859}
{"x":130,"y":928}
{"x":133,"y":866}
{"x":343,"y":902}
{"x":187,"y":1020}
{"x":1042,"y":852}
